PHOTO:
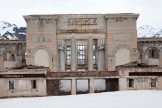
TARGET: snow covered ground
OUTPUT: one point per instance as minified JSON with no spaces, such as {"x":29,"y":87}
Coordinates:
{"x":120,"y":99}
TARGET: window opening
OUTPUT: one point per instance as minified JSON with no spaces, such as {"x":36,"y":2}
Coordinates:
{"x":153,"y":82}
{"x":80,"y":54}
{"x":33,"y":84}
{"x":153,"y":53}
{"x":94,"y":54}
{"x":131,"y":83}
{"x":68,"y":54}
{"x":11,"y":84}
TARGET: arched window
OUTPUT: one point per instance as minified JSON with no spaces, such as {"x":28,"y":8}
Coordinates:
{"x":153,"y":53}
{"x":9,"y":56}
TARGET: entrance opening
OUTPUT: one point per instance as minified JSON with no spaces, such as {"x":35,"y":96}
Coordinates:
{"x":82,"y":86}
{"x":112,"y":84}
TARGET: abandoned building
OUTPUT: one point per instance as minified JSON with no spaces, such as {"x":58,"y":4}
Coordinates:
{"x":80,"y":53}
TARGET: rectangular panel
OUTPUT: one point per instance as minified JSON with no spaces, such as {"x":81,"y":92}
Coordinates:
{"x":121,"y":37}
{"x":41,"y":38}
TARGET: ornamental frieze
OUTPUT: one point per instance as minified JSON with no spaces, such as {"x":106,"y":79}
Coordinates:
{"x":122,"y":19}
{"x":118,"y":19}
{"x":82,"y":21}
{"x":40,"y":20}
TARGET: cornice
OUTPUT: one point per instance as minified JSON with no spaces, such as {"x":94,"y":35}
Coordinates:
{"x":121,"y":17}
{"x":41,"y":18}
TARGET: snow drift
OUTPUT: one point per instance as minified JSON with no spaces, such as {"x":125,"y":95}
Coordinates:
{"x":120,"y":99}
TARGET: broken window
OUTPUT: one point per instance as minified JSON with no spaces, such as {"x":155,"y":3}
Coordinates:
{"x":94,"y":51}
{"x":23,"y":58}
{"x":80,"y":54}
{"x":68,"y":54}
{"x":11,"y":84}
{"x":33,"y":84}
{"x":130,"y":82}
{"x":9,"y":56}
{"x":153,"y":82}
{"x":153,"y":53}
{"x":94,"y":54}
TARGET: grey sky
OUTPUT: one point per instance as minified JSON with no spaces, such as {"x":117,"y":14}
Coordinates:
{"x":149,"y":10}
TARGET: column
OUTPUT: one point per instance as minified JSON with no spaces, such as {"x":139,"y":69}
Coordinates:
{"x":62,"y":56}
{"x":61,"y":53}
{"x":62,"y":60}
{"x":90,"y":53}
{"x":73,"y":86}
{"x":122,"y":84}
{"x":160,"y":59}
{"x":73,"y":53}
{"x":101,"y":55}
{"x":91,"y":85}
{"x":145,"y":57}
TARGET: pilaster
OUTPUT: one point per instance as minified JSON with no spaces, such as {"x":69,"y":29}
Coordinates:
{"x":91,"y":85}
{"x":73,"y":86}
{"x":90,"y":53}
{"x":73,"y":53}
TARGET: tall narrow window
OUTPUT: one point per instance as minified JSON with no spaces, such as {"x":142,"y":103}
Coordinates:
{"x":153,"y":53}
{"x":11,"y":84}
{"x":80,"y":54}
{"x":130,"y":82}
{"x":153,"y":82}
{"x":94,"y":54}
{"x":33,"y":84}
{"x":68,"y":54}
{"x":9,"y":56}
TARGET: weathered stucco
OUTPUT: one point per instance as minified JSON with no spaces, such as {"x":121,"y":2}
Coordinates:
{"x":85,"y":53}
{"x":116,"y":30}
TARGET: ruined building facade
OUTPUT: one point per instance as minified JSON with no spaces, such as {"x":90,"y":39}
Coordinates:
{"x":98,"y":51}
{"x":81,"y":42}
{"x":12,"y":54}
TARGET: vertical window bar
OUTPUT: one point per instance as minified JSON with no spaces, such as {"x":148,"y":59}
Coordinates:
{"x":68,"y":54}
{"x":80,"y":54}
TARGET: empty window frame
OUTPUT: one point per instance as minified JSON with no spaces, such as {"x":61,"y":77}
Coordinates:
{"x":11,"y":85}
{"x":94,"y":50}
{"x":153,"y":53}
{"x":33,"y":84}
{"x":131,"y":83}
{"x":8,"y":56}
{"x":68,"y":54}
{"x":94,"y":54}
{"x":153,"y":82}
{"x":80,"y":54}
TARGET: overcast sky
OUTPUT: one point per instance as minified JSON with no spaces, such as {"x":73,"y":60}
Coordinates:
{"x":150,"y":10}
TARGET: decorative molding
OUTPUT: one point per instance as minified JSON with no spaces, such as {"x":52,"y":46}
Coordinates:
{"x":117,"y":19}
{"x":40,"y":20}
{"x":134,"y":18}
{"x":122,"y":46}
{"x":28,"y":51}
{"x":121,"y":19}
{"x":82,"y":21}
{"x":82,"y":31}
{"x":41,"y":47}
